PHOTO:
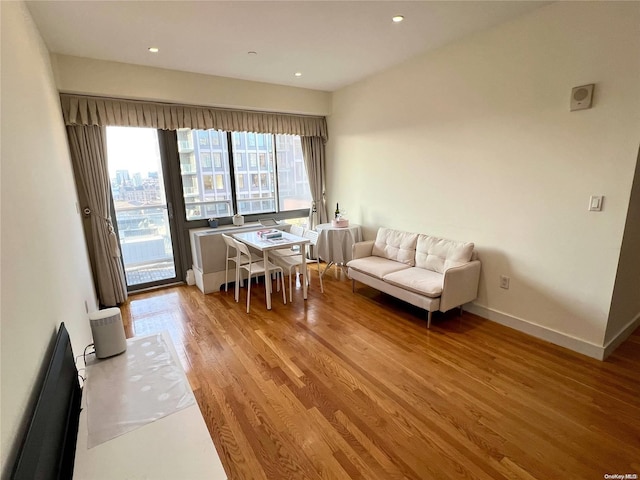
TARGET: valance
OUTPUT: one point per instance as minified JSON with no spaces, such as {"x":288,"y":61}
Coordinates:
{"x":101,"y":111}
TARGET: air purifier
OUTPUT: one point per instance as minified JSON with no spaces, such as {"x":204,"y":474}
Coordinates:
{"x":108,"y":332}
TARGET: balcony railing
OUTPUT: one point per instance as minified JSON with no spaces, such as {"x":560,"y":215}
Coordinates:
{"x":184,"y":146}
{"x":191,"y":190}
{"x":198,"y":210}
{"x":145,"y":242}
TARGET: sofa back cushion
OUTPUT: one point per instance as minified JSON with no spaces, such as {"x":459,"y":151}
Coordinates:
{"x":396,"y":245}
{"x":439,"y":254}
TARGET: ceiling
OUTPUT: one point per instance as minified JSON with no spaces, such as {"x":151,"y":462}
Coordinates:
{"x":332,"y":43}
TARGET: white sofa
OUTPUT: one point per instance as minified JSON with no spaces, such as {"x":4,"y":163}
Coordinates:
{"x":428,"y":272}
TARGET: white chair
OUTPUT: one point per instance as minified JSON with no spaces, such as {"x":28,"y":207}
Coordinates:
{"x":312,"y":235}
{"x":292,"y":262}
{"x":288,"y":252}
{"x":245,"y":261}
{"x":232,"y":256}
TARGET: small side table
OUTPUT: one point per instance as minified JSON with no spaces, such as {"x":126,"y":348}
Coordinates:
{"x":335,"y":243}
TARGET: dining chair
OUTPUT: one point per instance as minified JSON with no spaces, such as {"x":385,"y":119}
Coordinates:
{"x":255,"y":267}
{"x":312,"y":235}
{"x":232,"y":256}
{"x":291,"y":263}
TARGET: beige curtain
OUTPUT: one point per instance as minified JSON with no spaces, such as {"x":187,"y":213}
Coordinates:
{"x":83,"y":110}
{"x":88,"y":154}
{"x":314,"y":161}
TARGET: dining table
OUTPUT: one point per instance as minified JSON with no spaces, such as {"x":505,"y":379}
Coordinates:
{"x":264,"y":245}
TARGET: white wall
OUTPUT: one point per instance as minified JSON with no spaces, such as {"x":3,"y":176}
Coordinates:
{"x":46,"y":276}
{"x":625,"y":304}
{"x":121,"y":80}
{"x":475,"y":142}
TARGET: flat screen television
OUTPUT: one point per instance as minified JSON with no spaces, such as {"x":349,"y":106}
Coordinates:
{"x":48,"y":448}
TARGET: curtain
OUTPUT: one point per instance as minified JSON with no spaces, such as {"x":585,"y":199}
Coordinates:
{"x":314,"y":161}
{"x":88,"y":154}
{"x":84,"y":110}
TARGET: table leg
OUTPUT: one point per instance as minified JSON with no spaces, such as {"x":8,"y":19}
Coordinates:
{"x":267,"y":279}
{"x":327,"y":267}
{"x":305,"y":270}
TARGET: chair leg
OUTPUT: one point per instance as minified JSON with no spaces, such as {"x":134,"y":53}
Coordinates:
{"x":237,"y":285}
{"x":428,"y":319}
{"x":320,"y":276}
{"x":290,"y":288}
{"x":248,"y":291}
{"x":226,"y":277}
{"x":284,"y":294}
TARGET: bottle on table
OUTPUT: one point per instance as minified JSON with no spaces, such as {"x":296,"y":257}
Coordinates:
{"x":337,"y":215}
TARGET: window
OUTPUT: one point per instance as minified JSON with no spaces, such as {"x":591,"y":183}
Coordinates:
{"x":207,"y":181}
{"x":205,"y":160}
{"x":203,"y":138}
{"x":187,"y":163}
{"x":269,"y":173}
{"x":293,"y":182}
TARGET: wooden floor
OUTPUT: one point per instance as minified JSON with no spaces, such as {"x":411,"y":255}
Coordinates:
{"x":351,"y":385}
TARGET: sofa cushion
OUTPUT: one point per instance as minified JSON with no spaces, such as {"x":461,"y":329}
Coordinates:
{"x":396,"y":245}
{"x":376,"y":266}
{"x":439,"y":254}
{"x":417,"y":280}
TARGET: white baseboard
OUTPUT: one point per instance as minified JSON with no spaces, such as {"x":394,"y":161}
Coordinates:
{"x":621,"y":336}
{"x":562,"y":339}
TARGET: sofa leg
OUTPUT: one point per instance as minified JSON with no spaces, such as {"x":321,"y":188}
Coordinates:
{"x":461,"y":309}
{"x":428,"y":319}
{"x":353,"y":285}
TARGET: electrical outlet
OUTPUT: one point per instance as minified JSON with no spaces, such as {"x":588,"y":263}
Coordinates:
{"x":504,"y":282}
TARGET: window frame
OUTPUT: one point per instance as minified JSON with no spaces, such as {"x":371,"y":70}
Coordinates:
{"x":231,"y":147}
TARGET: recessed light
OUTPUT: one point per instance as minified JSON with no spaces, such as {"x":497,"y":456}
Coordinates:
{"x":398,"y":18}
{"x":298,"y":74}
{"x":252,"y":53}
{"x":154,"y":49}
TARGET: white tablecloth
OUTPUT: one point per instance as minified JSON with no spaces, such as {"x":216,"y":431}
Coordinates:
{"x":334,"y":243}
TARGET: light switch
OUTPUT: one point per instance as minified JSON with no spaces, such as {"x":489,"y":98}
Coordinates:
{"x":595,"y":203}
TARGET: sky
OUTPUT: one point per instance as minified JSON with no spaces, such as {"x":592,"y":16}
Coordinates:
{"x":134,"y":149}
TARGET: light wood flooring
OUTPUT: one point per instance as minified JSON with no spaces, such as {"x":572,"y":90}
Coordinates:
{"x":353,"y":386}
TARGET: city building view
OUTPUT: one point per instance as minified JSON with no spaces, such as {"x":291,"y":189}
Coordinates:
{"x":207,"y":178}
{"x":209,"y":181}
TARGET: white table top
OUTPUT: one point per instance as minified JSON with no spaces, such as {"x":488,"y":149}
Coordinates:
{"x":264,"y":244}
{"x":329,"y":226}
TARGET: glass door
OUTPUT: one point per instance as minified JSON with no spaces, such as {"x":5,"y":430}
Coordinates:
{"x":144,"y":220}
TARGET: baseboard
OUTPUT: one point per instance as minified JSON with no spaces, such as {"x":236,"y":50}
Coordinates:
{"x":557,"y":338}
{"x":622,"y":335}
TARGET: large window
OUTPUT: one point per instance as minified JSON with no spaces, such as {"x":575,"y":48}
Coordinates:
{"x":273,"y":179}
